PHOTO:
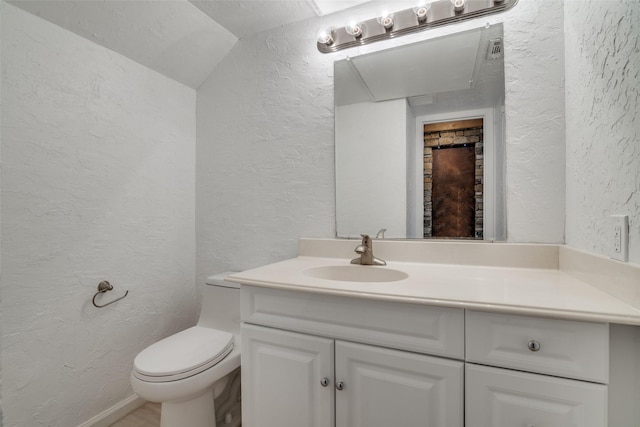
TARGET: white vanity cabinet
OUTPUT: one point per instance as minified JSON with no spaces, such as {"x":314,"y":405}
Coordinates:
{"x":338,"y":367}
{"x":331,"y":361}
{"x":289,"y":380}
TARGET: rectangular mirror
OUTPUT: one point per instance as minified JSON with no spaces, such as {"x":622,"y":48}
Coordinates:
{"x":419,"y":139}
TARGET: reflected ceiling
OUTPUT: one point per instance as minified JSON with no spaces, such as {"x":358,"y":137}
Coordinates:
{"x":467,"y":79}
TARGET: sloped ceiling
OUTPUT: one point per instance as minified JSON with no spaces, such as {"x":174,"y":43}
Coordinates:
{"x":244,"y":18}
{"x":182,"y":39}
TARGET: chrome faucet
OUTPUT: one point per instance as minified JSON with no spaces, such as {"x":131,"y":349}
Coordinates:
{"x":365,"y":249}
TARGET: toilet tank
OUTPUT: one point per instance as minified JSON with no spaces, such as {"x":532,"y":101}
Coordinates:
{"x":220,"y":304}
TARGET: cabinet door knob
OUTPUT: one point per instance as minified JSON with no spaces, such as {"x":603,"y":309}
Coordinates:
{"x":324,"y":382}
{"x":340,"y":385}
{"x":534,"y":345}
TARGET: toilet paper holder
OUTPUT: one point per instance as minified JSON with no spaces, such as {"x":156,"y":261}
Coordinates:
{"x":103,"y":287}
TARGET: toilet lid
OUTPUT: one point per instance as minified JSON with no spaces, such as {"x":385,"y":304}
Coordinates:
{"x":182,"y":355}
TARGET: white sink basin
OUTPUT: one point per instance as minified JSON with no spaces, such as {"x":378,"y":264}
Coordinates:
{"x":356,"y":273}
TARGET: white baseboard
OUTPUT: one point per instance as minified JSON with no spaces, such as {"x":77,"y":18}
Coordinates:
{"x":113,"y":414}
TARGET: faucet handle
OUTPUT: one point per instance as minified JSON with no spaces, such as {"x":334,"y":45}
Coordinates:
{"x":380,"y":234}
{"x":365,"y":250}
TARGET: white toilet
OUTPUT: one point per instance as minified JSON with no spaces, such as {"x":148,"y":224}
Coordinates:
{"x":187,"y":371}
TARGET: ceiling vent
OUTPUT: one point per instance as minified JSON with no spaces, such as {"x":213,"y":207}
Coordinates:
{"x":495,"y":50}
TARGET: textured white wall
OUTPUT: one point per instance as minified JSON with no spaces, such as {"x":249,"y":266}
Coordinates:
{"x":603,"y":122}
{"x":264,"y":163}
{"x":98,"y":183}
{"x":535,"y":122}
{"x":265,"y":172}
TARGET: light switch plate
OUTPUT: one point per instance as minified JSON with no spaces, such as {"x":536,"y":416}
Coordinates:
{"x":620,"y":237}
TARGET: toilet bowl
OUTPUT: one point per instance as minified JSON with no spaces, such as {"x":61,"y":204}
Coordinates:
{"x":186,"y":371}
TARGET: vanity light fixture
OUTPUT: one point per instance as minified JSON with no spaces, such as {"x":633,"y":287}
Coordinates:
{"x":423,"y":16}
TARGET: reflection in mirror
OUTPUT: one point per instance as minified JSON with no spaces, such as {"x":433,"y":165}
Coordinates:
{"x":420,"y":139}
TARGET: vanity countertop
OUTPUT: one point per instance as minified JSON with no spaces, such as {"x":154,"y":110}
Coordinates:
{"x":549,"y":292}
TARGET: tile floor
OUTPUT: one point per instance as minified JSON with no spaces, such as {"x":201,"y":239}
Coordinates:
{"x":148,"y":415}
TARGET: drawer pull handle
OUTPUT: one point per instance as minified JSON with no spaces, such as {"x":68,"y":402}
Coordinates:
{"x":324,"y":382}
{"x":534,"y":345}
{"x":340,"y":385}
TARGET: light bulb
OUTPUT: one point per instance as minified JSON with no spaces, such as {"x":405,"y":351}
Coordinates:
{"x":325,"y":37}
{"x":386,"y":20}
{"x":354,"y":28}
{"x":421,"y":11}
{"x":458,"y":5}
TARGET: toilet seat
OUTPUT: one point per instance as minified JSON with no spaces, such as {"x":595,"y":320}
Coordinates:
{"x":182,"y":355}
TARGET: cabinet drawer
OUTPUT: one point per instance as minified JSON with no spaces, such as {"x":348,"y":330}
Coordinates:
{"x":497,"y":397}
{"x":414,"y":327}
{"x":558,"y":347}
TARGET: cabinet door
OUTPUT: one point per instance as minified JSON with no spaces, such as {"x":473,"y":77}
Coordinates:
{"x":384,"y":387}
{"x":282,"y":375}
{"x":501,"y":398}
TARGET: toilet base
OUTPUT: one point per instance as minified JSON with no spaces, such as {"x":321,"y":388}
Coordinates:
{"x":189,"y":402}
{"x":196,"y":412}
